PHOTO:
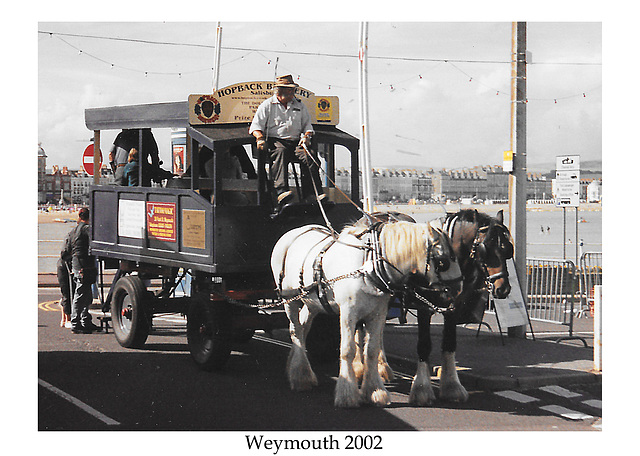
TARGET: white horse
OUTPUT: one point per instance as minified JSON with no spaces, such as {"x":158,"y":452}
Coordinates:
{"x":344,"y":267}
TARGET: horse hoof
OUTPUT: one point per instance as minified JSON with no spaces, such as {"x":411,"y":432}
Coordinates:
{"x":379,"y":398}
{"x":453,"y":393}
{"x":421,"y":397}
{"x":303,"y":384}
{"x":347,"y":402}
{"x":347,"y":394}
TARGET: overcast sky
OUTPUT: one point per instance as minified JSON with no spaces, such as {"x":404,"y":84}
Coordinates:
{"x":439,"y":91}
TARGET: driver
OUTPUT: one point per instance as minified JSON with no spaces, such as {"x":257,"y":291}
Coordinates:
{"x":281,"y":126}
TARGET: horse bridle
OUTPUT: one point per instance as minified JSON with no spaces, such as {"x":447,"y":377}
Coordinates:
{"x":478,"y":254}
{"x":384,"y":283}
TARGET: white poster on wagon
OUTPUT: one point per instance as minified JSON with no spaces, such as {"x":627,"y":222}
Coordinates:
{"x":512,"y":310}
{"x":131,"y":218}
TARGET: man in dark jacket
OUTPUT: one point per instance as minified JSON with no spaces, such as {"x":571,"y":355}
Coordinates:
{"x":66,"y":286}
{"x":84,"y":275}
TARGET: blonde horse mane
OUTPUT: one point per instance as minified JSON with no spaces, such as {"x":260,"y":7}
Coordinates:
{"x":405,"y":245}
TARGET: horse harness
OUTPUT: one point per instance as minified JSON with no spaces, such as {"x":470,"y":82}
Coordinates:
{"x":478,"y":251}
{"x":375,"y":272}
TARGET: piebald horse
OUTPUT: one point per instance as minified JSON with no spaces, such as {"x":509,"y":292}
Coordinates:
{"x":482,"y":245}
{"x":319,"y":272}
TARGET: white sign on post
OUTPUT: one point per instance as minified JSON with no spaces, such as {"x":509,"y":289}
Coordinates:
{"x":567,"y":182}
{"x":567,"y":162}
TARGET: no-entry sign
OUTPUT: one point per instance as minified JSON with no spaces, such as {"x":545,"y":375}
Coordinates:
{"x":87,"y":160}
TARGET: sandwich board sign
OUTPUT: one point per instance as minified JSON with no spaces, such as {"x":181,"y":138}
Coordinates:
{"x":512,"y":310}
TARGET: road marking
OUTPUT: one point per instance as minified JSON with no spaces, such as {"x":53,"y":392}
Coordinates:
{"x":78,"y":403}
{"x":559,"y":391}
{"x":596,"y":403}
{"x":519,"y":397}
{"x":566,"y":413}
{"x":47,"y":306}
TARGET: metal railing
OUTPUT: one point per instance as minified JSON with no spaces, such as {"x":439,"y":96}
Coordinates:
{"x":558,"y":292}
{"x":551,"y":287}
{"x":590,"y":276}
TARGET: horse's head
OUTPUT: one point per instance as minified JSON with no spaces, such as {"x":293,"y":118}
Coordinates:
{"x":442,"y":270}
{"x":421,"y":256}
{"x":492,"y":248}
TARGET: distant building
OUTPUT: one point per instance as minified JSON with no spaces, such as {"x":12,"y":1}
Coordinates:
{"x":458,"y":184}
{"x":64,"y":186}
{"x":594,"y":192}
{"x":388,"y":185}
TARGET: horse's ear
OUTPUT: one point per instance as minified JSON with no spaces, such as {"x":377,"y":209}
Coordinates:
{"x":500,"y":217}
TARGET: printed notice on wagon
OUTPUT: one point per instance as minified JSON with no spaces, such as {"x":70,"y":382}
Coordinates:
{"x":193,"y":228}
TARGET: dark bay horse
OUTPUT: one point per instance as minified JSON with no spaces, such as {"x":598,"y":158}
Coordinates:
{"x":482,"y":245}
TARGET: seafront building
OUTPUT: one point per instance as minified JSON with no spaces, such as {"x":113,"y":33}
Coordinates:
{"x":468,"y":185}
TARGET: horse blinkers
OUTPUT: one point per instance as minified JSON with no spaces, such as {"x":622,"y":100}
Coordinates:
{"x":498,"y":281}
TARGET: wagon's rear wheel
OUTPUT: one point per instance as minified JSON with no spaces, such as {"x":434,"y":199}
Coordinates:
{"x":209,"y":346}
{"x":130,"y":322}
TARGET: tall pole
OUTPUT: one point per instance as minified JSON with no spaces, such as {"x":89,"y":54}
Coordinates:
{"x":96,"y":158}
{"x":518,"y":177}
{"x":364,"y":119}
{"x":216,"y":70}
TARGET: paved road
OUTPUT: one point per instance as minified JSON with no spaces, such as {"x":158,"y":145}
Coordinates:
{"x":89,"y":382}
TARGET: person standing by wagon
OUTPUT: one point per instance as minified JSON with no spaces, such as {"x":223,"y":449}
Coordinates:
{"x":63,"y":269}
{"x":85,"y":274}
{"x":282,"y":127}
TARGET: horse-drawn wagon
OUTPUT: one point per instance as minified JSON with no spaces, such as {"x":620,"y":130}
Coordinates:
{"x":217,"y":228}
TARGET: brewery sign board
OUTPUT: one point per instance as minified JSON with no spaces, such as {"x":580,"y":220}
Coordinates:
{"x":238,"y":103}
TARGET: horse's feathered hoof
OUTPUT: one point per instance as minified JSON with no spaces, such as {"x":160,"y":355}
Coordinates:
{"x":421,"y":397}
{"x":379,"y":398}
{"x":453,"y":392}
{"x":303,"y":383}
{"x":347,"y":394}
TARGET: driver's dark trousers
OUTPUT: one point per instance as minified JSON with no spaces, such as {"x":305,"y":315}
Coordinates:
{"x":283,"y":152}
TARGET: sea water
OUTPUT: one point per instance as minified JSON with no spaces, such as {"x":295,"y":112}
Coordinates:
{"x":549,"y":236}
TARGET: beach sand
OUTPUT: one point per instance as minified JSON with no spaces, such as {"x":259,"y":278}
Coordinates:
{"x":57,"y":216}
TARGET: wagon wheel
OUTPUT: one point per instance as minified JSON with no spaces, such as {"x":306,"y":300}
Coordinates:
{"x":130,"y":322}
{"x":209,"y":346}
{"x":323,"y":340}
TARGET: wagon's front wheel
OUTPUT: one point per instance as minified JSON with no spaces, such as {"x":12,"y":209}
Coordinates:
{"x":209,"y":346}
{"x":130,"y":322}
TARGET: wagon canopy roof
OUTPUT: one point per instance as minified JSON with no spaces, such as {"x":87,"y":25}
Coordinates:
{"x":153,"y":115}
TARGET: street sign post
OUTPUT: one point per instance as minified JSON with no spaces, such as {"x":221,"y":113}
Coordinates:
{"x":87,"y":160}
{"x":567,"y":193}
{"x":567,"y":188}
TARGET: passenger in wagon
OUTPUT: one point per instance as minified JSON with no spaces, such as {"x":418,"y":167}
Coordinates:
{"x":119,"y":155}
{"x":282,"y":127}
{"x":131,"y":168}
